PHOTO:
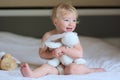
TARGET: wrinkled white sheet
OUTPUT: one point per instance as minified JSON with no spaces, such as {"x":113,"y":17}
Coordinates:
{"x":16,"y":75}
{"x":97,"y":53}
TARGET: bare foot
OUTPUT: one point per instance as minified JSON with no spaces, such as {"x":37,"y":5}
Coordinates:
{"x":25,"y":70}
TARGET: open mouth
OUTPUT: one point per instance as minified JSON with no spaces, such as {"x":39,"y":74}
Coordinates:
{"x":69,"y":29}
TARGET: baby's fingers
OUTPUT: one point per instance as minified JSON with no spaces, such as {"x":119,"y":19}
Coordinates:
{"x":60,"y":54}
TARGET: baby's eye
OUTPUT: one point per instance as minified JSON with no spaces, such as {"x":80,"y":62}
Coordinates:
{"x":66,"y":20}
{"x":74,"y":20}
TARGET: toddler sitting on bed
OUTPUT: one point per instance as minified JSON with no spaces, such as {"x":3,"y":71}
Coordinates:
{"x":64,"y":17}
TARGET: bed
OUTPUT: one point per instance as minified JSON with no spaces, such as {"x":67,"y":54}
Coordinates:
{"x":21,"y":37}
{"x":98,"y":53}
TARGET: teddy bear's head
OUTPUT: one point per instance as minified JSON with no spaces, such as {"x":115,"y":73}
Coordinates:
{"x":7,"y":62}
{"x":70,"y":39}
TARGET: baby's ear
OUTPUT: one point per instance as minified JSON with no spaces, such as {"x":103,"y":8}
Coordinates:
{"x":55,"y":21}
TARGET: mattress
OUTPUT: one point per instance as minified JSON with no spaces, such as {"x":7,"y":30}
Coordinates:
{"x":98,"y":52}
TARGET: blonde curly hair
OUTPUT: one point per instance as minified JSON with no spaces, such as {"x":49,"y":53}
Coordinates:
{"x":60,"y":8}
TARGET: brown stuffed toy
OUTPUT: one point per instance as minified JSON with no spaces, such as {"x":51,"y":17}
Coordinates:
{"x":7,"y":62}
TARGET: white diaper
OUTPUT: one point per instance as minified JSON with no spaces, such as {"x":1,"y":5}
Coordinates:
{"x":60,"y":69}
{"x":77,"y":61}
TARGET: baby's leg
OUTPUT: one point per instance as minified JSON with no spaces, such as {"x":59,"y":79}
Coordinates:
{"x":25,"y":70}
{"x":41,"y":71}
{"x":81,"y":69}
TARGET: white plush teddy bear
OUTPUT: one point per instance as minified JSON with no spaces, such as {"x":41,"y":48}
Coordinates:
{"x":68,"y":39}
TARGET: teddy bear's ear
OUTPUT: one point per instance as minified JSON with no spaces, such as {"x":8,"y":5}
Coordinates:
{"x":7,"y":55}
{"x":76,"y":33}
{"x":55,"y":37}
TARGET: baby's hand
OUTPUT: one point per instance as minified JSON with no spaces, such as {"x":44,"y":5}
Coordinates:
{"x":57,"y":52}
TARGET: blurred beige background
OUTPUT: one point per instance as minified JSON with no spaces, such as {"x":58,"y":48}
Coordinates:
{"x":51,"y":3}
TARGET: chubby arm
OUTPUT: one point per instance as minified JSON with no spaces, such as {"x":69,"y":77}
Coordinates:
{"x":44,"y":52}
{"x":75,"y":52}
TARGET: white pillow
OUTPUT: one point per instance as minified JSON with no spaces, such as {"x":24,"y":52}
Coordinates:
{"x":100,"y":54}
{"x":23,"y":48}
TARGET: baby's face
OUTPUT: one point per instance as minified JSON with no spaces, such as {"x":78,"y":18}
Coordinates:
{"x":66,"y":22}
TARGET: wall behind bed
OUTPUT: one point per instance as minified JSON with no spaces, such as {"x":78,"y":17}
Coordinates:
{"x":36,"y":26}
{"x":99,"y":18}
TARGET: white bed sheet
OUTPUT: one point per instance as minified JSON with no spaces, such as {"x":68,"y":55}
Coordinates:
{"x":16,"y":75}
{"x":113,"y":41}
{"x":97,"y":53}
